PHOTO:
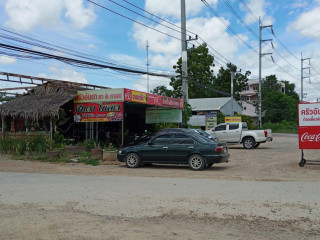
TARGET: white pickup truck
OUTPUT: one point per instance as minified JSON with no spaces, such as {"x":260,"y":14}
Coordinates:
{"x":237,"y":133}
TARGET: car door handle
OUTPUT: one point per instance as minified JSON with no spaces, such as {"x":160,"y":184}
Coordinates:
{"x":190,"y":147}
{"x":165,"y":148}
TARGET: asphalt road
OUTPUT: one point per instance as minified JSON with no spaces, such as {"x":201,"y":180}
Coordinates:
{"x":144,"y":196}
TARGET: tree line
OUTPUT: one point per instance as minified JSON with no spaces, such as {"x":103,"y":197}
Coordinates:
{"x":277,"y":106}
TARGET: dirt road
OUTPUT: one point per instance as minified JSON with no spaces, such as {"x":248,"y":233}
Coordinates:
{"x":260,"y":194}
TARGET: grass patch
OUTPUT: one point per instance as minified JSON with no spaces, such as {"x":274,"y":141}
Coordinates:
{"x":83,"y":157}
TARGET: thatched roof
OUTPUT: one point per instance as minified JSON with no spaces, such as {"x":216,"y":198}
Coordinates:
{"x":43,"y":101}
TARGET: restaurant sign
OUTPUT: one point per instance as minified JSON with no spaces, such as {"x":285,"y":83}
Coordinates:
{"x":102,"y":95}
{"x":309,"y":125}
{"x":98,"y":112}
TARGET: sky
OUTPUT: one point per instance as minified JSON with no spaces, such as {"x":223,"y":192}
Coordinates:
{"x":108,"y":30}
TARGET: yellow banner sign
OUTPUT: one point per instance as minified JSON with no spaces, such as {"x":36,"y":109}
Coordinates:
{"x":139,"y":97}
{"x":232,"y":119}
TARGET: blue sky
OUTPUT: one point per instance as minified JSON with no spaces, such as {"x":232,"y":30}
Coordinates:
{"x":85,"y":27}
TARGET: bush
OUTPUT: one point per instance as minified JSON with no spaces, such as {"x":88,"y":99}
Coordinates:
{"x":58,"y":140}
{"x":85,"y":157}
{"x":282,"y":127}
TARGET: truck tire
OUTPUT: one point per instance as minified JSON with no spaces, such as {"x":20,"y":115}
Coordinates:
{"x":248,"y":142}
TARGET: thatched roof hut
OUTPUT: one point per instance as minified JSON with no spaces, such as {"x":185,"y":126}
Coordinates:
{"x":43,"y":101}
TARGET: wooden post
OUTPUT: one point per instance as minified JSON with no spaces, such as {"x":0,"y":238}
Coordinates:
{"x":51,"y":128}
{"x":3,"y":127}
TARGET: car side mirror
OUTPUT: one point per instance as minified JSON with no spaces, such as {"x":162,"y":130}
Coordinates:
{"x":213,"y":130}
{"x":149,"y":143}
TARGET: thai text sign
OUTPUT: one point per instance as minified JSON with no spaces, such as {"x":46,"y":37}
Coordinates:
{"x":232,"y":119}
{"x":102,"y":95}
{"x":309,"y":125}
{"x":98,"y":112}
{"x":211,"y":120}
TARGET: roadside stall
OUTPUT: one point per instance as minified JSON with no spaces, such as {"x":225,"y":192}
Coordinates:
{"x":309,"y":129}
{"x":121,"y":112}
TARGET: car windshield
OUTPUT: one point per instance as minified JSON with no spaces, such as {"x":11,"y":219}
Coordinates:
{"x":201,"y":138}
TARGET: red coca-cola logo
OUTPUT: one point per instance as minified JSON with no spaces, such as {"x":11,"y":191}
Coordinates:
{"x":306,"y":137}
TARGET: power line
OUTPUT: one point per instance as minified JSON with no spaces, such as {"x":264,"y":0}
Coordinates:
{"x":76,"y":62}
{"x":133,"y":20}
{"x":272,"y":32}
{"x":240,"y":18}
{"x":176,"y":27}
{"x":144,"y":16}
{"x":228,"y":27}
{"x":56,"y":48}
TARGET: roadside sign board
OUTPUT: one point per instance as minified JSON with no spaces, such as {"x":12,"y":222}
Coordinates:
{"x":232,"y":119}
{"x":211,"y":120}
{"x":309,"y":125}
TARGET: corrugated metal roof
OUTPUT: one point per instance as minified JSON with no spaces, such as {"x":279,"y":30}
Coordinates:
{"x":208,"y":104}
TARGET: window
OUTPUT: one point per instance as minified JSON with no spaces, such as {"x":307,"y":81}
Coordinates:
{"x":202,"y":139}
{"x":255,"y":88}
{"x":162,"y":140}
{"x":182,"y":139}
{"x":220,"y":128}
{"x":233,"y":126}
{"x":244,"y":126}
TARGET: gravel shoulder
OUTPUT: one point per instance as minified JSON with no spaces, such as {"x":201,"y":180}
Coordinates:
{"x":275,"y":161}
{"x":261,"y":194}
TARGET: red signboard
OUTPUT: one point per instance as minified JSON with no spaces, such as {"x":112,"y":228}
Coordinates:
{"x":309,"y":125}
{"x":98,"y":112}
{"x":152,"y":99}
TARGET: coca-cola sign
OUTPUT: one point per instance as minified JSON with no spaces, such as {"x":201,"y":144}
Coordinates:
{"x":309,"y":137}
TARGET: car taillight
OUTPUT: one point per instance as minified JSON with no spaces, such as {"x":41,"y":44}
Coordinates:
{"x":265,"y":133}
{"x":219,"y":149}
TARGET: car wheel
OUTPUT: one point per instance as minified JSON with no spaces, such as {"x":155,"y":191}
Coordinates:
{"x":256,"y":145}
{"x":196,"y":162}
{"x":132,"y":160}
{"x":248,"y":143}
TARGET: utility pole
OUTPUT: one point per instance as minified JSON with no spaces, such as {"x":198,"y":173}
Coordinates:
{"x":147,"y":47}
{"x":260,"y":56}
{"x":232,"y":77}
{"x":184,"y":56}
{"x":302,"y":77}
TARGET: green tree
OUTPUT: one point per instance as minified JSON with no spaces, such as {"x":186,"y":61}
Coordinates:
{"x":5,"y":98}
{"x":278,"y":106}
{"x":163,"y":91}
{"x":200,"y":73}
{"x":223,"y":81}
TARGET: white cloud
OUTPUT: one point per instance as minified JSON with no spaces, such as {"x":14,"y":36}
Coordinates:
{"x":80,"y":16}
{"x":124,"y":59}
{"x":307,"y":24}
{"x":168,"y":50}
{"x":91,"y":46}
{"x":258,"y":8}
{"x":173,"y":8}
{"x":5,"y":60}
{"x":64,"y":74}
{"x":142,"y":84}
{"x":27,"y":14}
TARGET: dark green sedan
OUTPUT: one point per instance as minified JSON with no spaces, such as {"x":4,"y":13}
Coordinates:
{"x":175,"y":148}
